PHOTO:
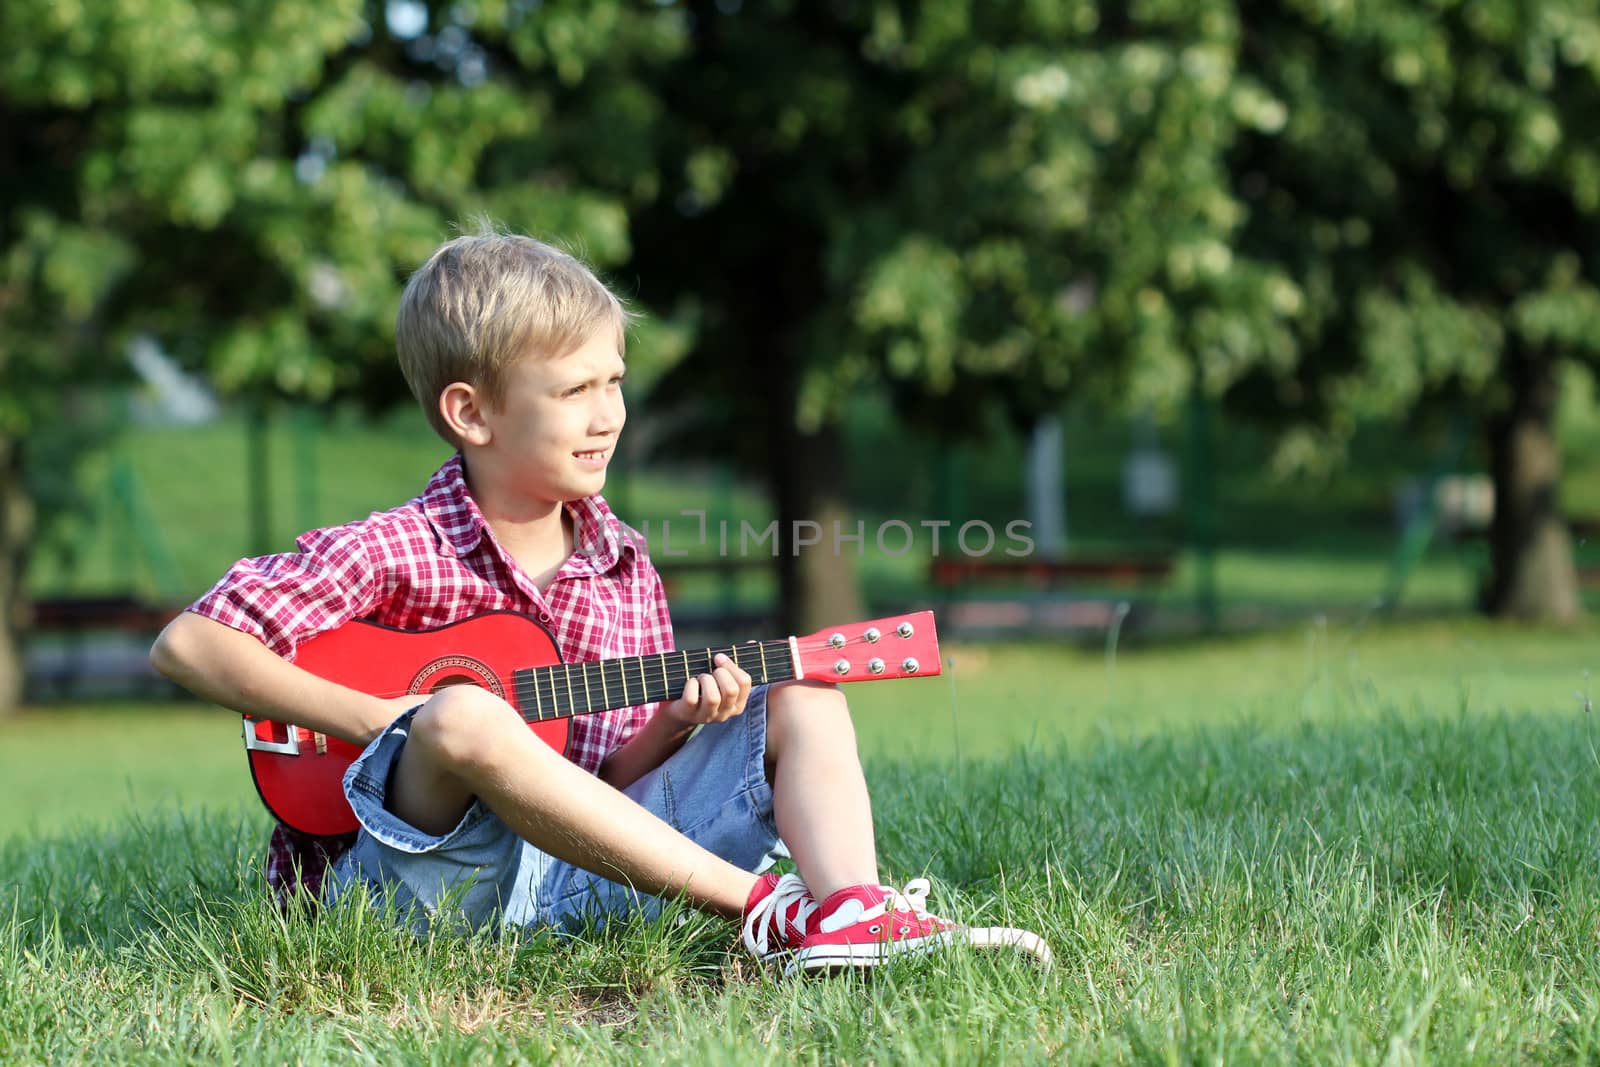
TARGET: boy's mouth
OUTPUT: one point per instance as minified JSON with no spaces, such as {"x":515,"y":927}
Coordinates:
{"x":596,"y":457}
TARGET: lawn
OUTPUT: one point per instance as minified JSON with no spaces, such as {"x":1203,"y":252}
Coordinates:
{"x":1329,"y":843}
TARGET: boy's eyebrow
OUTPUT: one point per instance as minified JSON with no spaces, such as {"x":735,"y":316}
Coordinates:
{"x":580,"y":378}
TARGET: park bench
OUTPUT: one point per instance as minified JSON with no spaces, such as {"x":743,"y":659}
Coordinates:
{"x":78,"y":644}
{"x":122,"y":612}
{"x":965,"y":572}
{"x":983,"y":594}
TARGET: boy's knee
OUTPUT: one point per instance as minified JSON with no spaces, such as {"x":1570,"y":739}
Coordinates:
{"x":804,"y":706}
{"x":464,"y":726}
{"x":806,"y":693}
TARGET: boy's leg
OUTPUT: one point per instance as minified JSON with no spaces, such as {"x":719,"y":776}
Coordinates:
{"x":824,"y":815}
{"x":820,"y":799}
{"x":714,"y":790}
{"x":466,"y":743}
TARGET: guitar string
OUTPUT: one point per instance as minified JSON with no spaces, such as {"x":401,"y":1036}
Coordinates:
{"x":674,"y":677}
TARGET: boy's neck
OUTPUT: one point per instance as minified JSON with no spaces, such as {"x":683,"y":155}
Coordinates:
{"x":539,"y":535}
{"x":540,"y":546}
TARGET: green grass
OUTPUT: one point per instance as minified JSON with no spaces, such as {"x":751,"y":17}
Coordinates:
{"x":1322,"y":844}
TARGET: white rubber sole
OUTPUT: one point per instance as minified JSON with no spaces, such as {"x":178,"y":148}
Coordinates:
{"x":872,"y":954}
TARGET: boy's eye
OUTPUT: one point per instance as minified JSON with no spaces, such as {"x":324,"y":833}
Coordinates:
{"x":576,"y":390}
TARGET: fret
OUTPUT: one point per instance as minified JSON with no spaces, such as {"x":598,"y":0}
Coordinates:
{"x":555,"y":701}
{"x":571,"y":702}
{"x":538,"y":705}
{"x":588,"y":701}
{"x":644,"y":689}
{"x":666,"y":690}
{"x":622,"y":676}
{"x":762,"y":648}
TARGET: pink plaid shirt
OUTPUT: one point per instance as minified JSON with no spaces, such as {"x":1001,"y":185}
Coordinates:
{"x":434,"y":561}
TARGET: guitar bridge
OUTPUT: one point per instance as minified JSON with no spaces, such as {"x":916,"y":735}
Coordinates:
{"x":254,"y":742}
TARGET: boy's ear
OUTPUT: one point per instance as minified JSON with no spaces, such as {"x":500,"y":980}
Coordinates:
{"x":462,"y":407}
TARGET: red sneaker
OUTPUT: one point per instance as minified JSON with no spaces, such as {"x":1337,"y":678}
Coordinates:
{"x":777,"y":917}
{"x":865,"y":925}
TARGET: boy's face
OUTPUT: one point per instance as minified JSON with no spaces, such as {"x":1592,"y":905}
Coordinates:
{"x":553,"y":434}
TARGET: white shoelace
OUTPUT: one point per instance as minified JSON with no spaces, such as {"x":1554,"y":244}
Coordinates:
{"x":772,"y":914}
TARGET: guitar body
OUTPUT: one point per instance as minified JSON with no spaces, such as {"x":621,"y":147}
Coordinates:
{"x":300,"y":775}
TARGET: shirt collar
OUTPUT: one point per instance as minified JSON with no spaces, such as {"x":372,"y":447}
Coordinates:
{"x":599,"y":536}
{"x":451,"y":509}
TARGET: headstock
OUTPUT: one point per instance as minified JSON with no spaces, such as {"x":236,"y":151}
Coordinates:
{"x":901,"y":646}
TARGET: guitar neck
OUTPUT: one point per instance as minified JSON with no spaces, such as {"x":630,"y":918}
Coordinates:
{"x":561,"y":690}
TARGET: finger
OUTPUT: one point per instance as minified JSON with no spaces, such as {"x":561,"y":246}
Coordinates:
{"x":691,"y":691}
{"x":738,"y":672}
{"x":727,"y":690}
{"x":710,"y":695}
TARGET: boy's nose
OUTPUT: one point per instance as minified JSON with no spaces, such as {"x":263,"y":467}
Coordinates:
{"x":608,"y":417}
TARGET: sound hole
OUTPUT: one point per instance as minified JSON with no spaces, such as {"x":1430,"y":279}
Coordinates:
{"x":445,"y":682}
{"x":455,"y":670}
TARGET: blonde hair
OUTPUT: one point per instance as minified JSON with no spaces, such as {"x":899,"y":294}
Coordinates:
{"x":486,"y":300}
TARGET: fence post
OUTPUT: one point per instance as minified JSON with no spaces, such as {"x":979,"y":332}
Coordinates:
{"x":307,"y":423}
{"x":1202,"y":506}
{"x":257,"y":495}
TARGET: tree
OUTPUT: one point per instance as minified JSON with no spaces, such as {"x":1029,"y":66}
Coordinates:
{"x":249,"y":183}
{"x":1434,"y":189}
{"x":967,"y":204}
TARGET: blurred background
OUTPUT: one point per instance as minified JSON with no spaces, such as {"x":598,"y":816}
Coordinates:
{"x":1252,"y":312}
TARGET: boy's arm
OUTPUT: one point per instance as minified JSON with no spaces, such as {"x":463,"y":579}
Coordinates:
{"x":228,"y":667}
{"x":671,"y":723}
{"x":658,"y":738}
{"x":665,"y":731}
{"x":234,"y":645}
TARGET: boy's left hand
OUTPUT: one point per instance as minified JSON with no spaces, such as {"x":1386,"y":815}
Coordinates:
{"x":712,"y":697}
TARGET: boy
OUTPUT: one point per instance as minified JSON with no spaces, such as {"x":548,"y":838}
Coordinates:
{"x":514,"y":350}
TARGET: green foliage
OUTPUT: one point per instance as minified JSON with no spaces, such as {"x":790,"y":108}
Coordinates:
{"x":249,"y":184}
{"x":1434,"y":191}
{"x":968,"y":204}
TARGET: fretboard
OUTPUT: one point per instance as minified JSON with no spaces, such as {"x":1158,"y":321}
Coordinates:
{"x":564,"y":689}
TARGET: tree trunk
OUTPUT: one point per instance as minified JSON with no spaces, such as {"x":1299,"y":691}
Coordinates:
{"x":16,"y":527}
{"x":817,"y":583}
{"x":1532,"y":575}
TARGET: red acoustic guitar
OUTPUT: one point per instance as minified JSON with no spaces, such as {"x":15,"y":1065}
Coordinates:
{"x":299,"y":774}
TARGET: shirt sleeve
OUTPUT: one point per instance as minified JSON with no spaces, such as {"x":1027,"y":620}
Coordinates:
{"x":286,"y":598}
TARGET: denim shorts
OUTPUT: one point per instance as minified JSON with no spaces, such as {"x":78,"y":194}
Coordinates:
{"x":713,"y":790}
